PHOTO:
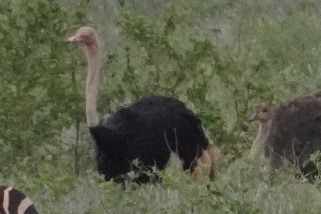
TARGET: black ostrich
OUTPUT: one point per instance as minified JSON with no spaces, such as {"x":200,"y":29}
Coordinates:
{"x":295,"y":133}
{"x":14,"y":201}
{"x":149,"y":130}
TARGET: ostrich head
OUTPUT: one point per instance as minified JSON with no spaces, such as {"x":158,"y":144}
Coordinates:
{"x":85,"y":35}
{"x":261,"y":113}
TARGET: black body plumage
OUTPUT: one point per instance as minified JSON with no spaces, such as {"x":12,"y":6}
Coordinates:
{"x":148,"y":130}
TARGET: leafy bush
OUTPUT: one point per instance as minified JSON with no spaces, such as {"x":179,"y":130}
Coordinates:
{"x":219,"y":57}
{"x":39,"y":89}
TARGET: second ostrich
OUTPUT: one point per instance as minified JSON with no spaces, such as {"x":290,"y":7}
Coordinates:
{"x":150,"y":130}
{"x":295,"y":134}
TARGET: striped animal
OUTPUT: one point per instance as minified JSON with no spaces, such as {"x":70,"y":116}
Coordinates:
{"x":14,"y":201}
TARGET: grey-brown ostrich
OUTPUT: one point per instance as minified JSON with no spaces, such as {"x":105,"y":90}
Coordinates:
{"x":262,"y":113}
{"x":295,"y":134}
{"x":150,"y":130}
{"x":13,"y":201}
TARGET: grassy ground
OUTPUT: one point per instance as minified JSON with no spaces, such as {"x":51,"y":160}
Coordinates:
{"x":219,"y":57}
{"x":241,"y":188}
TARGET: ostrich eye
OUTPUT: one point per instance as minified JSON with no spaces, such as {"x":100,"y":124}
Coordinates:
{"x":265,"y":110}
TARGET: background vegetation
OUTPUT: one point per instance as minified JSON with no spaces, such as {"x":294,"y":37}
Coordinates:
{"x":218,"y":56}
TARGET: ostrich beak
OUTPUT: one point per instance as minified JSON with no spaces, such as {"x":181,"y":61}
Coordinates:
{"x":73,"y":39}
{"x":251,"y":118}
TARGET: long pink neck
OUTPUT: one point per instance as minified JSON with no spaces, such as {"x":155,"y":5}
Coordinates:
{"x":92,"y":85}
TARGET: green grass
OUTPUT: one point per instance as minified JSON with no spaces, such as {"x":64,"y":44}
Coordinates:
{"x":219,"y":57}
{"x":243,"y":187}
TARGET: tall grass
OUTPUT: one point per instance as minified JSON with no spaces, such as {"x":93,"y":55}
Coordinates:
{"x":219,"y":57}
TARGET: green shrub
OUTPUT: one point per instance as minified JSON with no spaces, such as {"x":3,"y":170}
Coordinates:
{"x":40,"y":94}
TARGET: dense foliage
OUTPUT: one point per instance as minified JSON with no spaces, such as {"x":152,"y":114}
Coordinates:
{"x":219,"y":57}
